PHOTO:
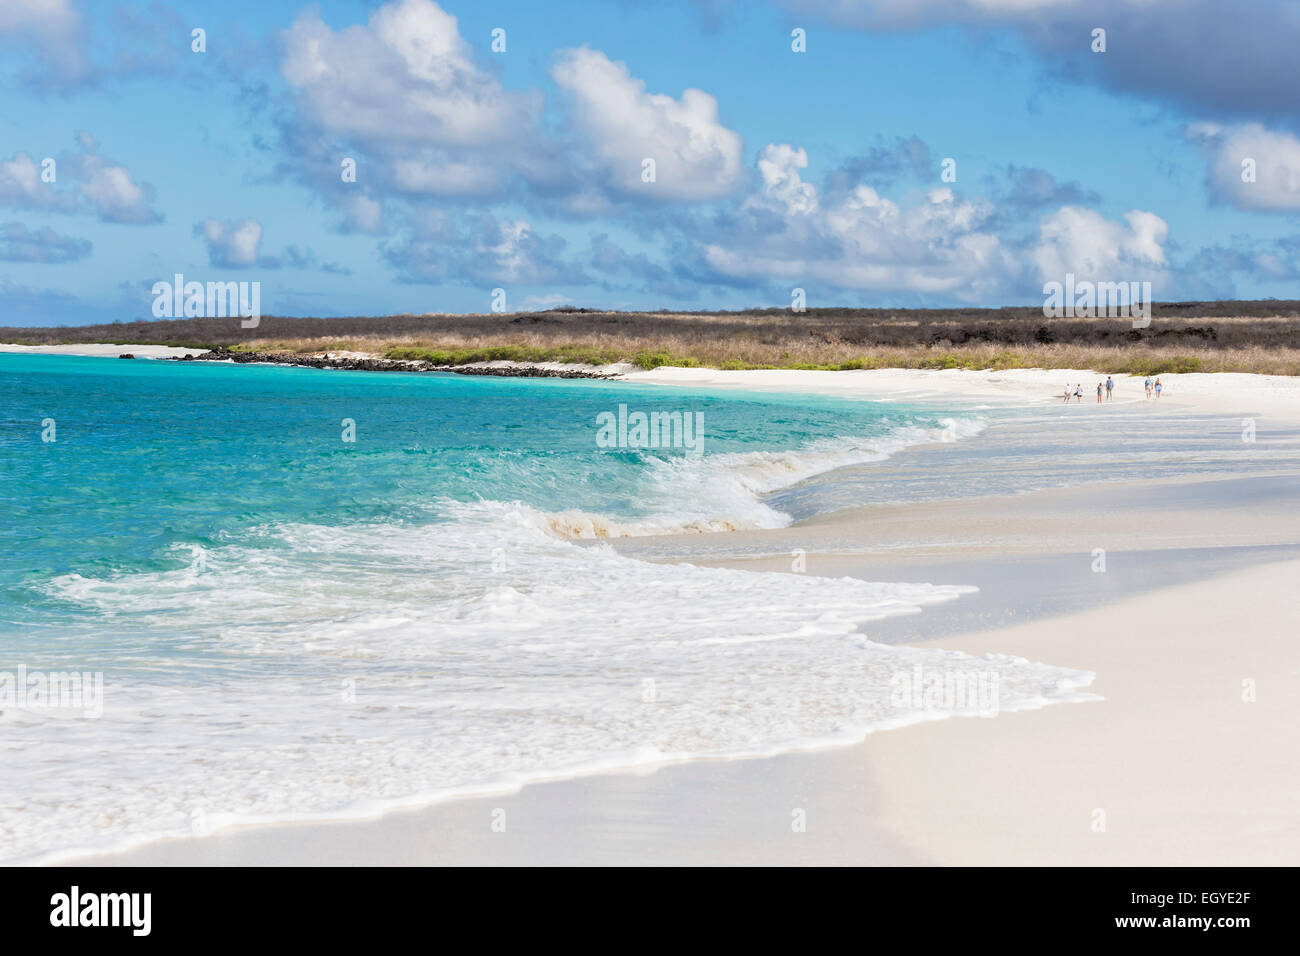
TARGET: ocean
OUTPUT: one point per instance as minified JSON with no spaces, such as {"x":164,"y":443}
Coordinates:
{"x":294,"y":594}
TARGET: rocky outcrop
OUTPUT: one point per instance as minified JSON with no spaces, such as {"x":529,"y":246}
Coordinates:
{"x":507,"y":370}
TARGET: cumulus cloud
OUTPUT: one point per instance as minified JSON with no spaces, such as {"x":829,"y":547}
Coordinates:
{"x":403,"y":96}
{"x":927,"y":247}
{"x":20,"y":244}
{"x":53,"y":32}
{"x":491,"y":250}
{"x":406,"y":77}
{"x":79,"y":182}
{"x":21,"y":186}
{"x":1094,"y":248}
{"x":1252,"y":167}
{"x":695,"y":156}
{"x":403,"y":102}
{"x":114,"y":194}
{"x":231,"y":245}
{"x":857,"y":239}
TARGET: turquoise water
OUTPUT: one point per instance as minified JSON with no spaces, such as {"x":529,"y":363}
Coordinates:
{"x":150,"y":455}
{"x":287,"y":624}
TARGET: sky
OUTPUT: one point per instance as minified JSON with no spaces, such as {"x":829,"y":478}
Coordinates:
{"x":643,"y":154}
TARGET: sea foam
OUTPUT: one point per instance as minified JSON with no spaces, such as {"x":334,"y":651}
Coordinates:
{"x":382,"y":665}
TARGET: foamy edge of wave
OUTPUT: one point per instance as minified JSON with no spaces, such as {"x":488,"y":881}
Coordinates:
{"x":752,"y":475}
{"x":639,"y":761}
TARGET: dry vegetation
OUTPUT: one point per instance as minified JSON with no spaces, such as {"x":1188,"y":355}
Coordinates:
{"x":1259,"y":336}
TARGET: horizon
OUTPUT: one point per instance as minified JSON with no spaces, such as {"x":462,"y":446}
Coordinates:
{"x":363,"y":158}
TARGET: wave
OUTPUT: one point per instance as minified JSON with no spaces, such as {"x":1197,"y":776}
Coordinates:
{"x":725,"y":492}
{"x":303,"y":671}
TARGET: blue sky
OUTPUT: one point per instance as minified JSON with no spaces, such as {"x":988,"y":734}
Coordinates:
{"x":524,"y":170}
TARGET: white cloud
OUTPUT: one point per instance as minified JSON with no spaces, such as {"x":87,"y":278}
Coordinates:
{"x":21,"y":186}
{"x":232,"y":245}
{"x":937,"y":245}
{"x":55,"y":29}
{"x":783,"y":185}
{"x":511,"y":250}
{"x":405,"y":92}
{"x":1096,"y":249}
{"x":487,"y":251}
{"x":696,"y":157}
{"x":114,"y":194}
{"x":363,"y":214}
{"x":102,"y":186}
{"x":1275,"y":157}
{"x":406,"y":77}
{"x":858,"y":239}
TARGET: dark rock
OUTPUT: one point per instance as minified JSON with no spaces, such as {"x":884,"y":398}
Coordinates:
{"x":388,"y":365}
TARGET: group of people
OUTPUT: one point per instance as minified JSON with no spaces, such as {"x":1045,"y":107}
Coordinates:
{"x":1108,"y":386}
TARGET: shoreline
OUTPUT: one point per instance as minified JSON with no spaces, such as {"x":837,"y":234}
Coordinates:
{"x":654,"y":812}
{"x":1224,"y":335}
{"x":366,"y":362}
{"x":892,"y":797}
{"x":859,"y":790}
{"x":1275,"y":394}
{"x":103,"y":350}
{"x":1249,"y":392}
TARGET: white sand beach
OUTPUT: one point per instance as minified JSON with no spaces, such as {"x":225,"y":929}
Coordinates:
{"x":104,"y":350}
{"x":1181,"y":758}
{"x":1277,"y":395}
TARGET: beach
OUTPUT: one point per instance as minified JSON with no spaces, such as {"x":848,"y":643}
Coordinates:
{"x":449,"y":435}
{"x":1184,"y":770}
{"x":1164,"y":567}
{"x":103,"y":350}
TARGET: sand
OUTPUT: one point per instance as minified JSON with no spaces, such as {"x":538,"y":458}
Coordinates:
{"x":1276,"y":396}
{"x":1187,"y":761}
{"x":105,"y":350}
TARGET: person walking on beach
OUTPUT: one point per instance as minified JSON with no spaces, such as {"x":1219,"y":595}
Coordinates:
{"x":1159,"y":387}
{"x":1078,"y":392}
{"x":1099,"y":386}
{"x":1067,"y":395}
{"x":1110,"y":387}
{"x":1147,"y":383}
